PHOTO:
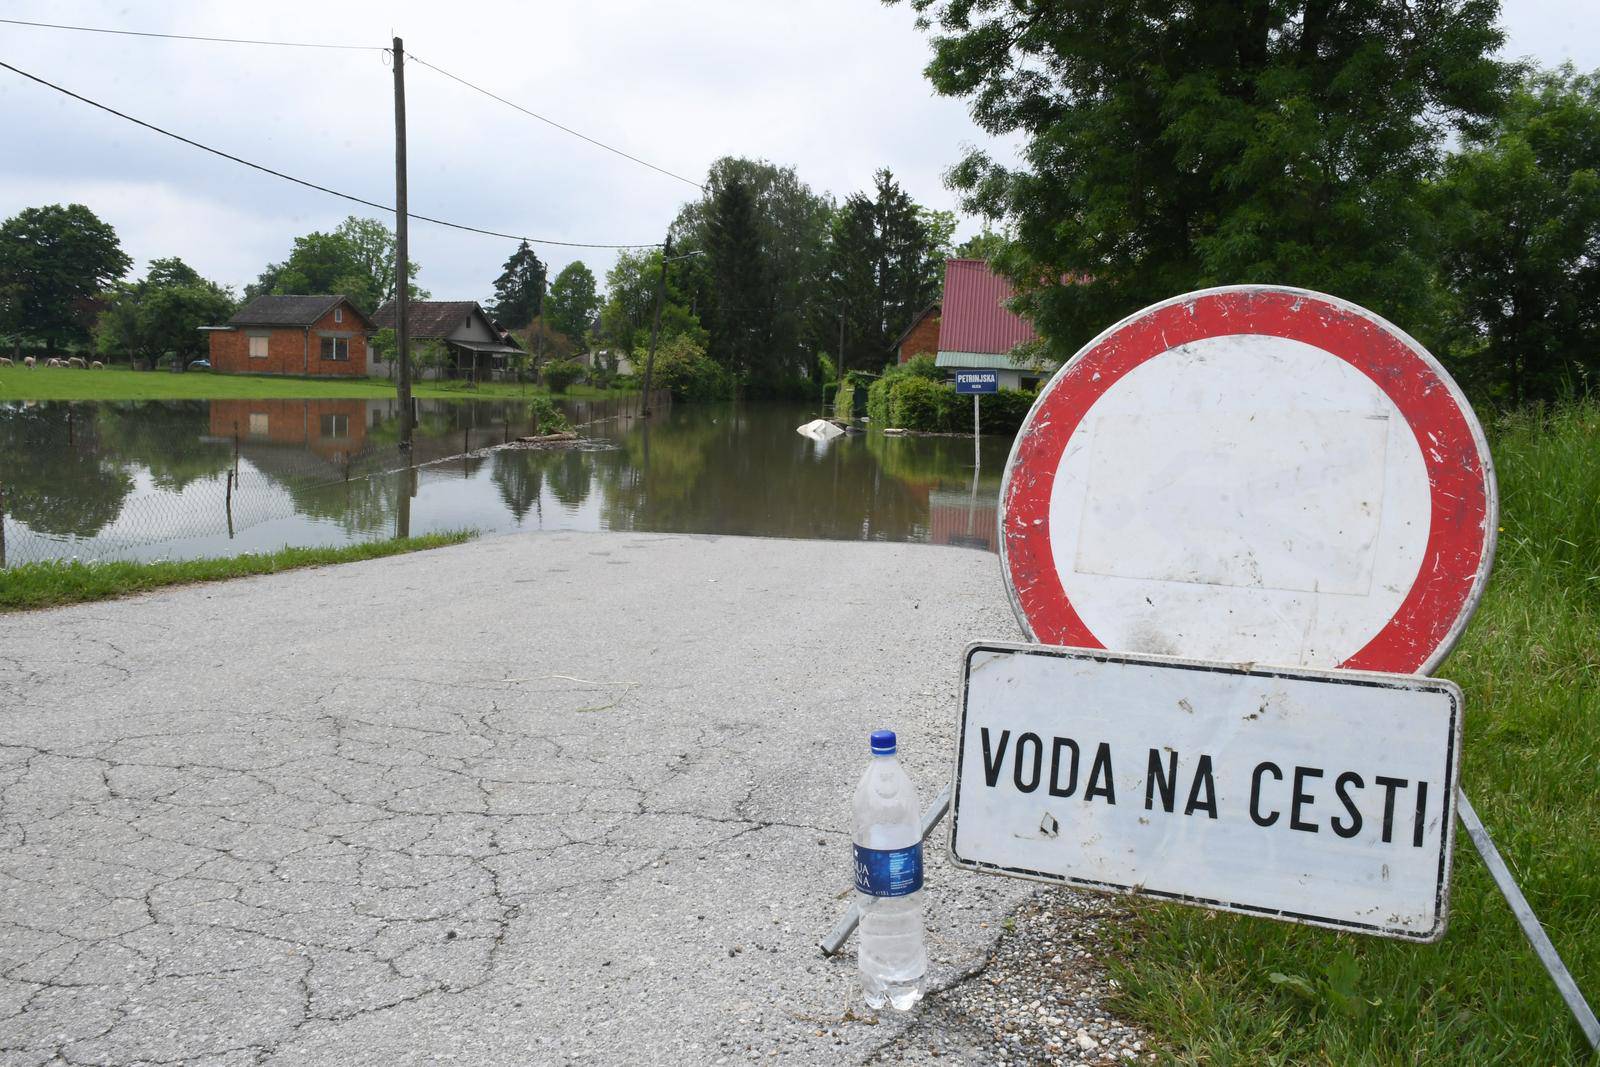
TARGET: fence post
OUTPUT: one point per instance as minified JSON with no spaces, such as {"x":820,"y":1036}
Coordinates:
{"x":2,"y":525}
{"x":235,"y":448}
{"x":228,"y":504}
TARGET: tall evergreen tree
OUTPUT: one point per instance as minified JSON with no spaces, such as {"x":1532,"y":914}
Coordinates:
{"x":855,"y":253}
{"x":1168,"y":146}
{"x":886,"y":263}
{"x":741,"y":317}
{"x":519,"y":291}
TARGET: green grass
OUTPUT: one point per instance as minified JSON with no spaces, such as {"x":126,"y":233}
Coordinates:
{"x":53,"y":583}
{"x":55,"y":383}
{"x":1530,"y":669}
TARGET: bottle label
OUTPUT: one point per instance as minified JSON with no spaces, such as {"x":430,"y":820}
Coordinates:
{"x":889,"y":872}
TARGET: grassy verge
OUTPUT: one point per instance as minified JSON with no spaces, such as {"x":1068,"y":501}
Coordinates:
{"x":50,"y":584}
{"x":1529,"y":666}
{"x":54,"y":383}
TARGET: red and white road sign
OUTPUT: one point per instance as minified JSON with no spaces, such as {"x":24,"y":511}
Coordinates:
{"x":1251,"y":473}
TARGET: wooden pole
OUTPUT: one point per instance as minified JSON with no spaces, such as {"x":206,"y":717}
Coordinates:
{"x":402,"y":251}
{"x":655,"y":328}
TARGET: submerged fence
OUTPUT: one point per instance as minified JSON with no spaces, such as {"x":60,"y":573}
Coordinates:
{"x":86,"y":482}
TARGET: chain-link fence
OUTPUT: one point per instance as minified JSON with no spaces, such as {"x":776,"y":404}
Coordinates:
{"x":108,"y":481}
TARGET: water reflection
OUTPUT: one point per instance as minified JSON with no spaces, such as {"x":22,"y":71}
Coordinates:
{"x":150,"y":480}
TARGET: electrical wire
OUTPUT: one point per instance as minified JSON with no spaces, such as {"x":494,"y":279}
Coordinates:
{"x":194,"y":37}
{"x":552,"y":122}
{"x":310,"y":184}
{"x":361,"y":48}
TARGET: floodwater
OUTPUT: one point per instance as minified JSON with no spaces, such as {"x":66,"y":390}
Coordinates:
{"x":155,"y":480}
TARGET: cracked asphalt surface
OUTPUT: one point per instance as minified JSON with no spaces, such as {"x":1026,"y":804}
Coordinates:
{"x":533,"y":799}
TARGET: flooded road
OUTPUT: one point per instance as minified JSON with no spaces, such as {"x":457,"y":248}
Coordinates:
{"x":155,"y":480}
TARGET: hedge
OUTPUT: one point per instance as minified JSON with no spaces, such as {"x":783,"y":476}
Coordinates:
{"x":915,"y":403}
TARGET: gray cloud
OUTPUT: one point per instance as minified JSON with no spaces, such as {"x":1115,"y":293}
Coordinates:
{"x":832,"y":87}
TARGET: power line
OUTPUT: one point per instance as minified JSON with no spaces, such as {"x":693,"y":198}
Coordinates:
{"x":309,"y":184}
{"x":194,"y":37}
{"x":552,"y":122}
{"x":360,"y":48}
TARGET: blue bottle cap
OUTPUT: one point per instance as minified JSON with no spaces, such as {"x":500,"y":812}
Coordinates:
{"x":883,"y":743}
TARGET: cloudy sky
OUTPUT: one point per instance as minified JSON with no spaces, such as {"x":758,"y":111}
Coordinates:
{"x":831,"y":87}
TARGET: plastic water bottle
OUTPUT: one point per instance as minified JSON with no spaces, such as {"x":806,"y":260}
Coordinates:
{"x":888,"y":867}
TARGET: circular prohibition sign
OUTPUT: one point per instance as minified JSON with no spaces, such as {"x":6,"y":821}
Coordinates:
{"x":1251,"y":473}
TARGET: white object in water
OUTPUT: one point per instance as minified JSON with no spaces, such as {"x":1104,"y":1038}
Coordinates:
{"x":819,"y":430}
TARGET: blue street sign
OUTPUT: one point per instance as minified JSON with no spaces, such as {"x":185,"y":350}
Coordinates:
{"x":977,"y":381}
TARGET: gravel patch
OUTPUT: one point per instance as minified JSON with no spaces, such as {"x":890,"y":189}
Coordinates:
{"x":1043,"y":996}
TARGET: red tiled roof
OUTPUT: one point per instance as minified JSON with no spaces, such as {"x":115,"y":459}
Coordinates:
{"x":974,"y":317}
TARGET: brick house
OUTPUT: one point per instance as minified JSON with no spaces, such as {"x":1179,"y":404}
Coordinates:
{"x":921,"y":338}
{"x":329,"y":428}
{"x":318,"y":336}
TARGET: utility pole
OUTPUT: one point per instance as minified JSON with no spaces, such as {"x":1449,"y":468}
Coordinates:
{"x":841,"y":362}
{"x":402,"y":253}
{"x":655,"y":328}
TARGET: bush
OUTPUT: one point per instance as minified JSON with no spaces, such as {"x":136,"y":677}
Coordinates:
{"x":1004,"y":411}
{"x":562,"y":373}
{"x":547,"y":417}
{"x":683,"y":367}
{"x":922,"y":366}
{"x":918,"y":404}
{"x":913,"y":402}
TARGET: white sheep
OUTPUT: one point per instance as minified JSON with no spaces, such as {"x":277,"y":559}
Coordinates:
{"x":28,"y":361}
{"x":77,"y":361}
{"x":96,"y":365}
{"x":4,"y":362}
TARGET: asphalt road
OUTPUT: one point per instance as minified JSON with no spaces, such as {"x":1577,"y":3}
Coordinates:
{"x":534,"y":799}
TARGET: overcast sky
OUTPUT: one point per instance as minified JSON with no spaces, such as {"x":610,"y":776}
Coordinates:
{"x":831,"y":87}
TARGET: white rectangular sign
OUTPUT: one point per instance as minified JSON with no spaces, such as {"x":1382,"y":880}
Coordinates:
{"x":1321,"y":797}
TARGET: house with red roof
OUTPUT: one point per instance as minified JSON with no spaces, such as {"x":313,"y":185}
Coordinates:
{"x":976,"y":331}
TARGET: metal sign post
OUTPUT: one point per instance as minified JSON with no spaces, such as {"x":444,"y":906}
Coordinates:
{"x":978,"y":383}
{"x":1230,"y":478}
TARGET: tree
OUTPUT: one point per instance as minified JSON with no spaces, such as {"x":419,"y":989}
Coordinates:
{"x":854,"y":259}
{"x":519,"y":291}
{"x":1171,"y":146}
{"x":740,"y":322}
{"x":789,"y":225}
{"x":886,"y":264}
{"x":54,"y":261}
{"x":630,"y":303}
{"x":986,"y":245}
{"x":1519,"y":212}
{"x":162,"y":314}
{"x":572,"y":303}
{"x":356,"y":260}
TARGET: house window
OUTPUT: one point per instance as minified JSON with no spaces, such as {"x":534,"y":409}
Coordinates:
{"x":338,"y":314}
{"x":258,"y":346}
{"x":336,"y":348}
{"x":258,"y":424}
{"x":336,"y":426}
